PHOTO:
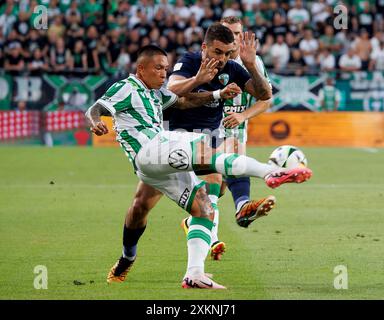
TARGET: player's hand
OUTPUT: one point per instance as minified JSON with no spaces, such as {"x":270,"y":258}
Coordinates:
{"x":208,"y":70}
{"x":99,"y":128}
{"x":230,"y":91}
{"x":233,"y":119}
{"x":248,"y":48}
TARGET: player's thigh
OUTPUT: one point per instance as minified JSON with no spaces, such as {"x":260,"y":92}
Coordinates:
{"x":169,"y":152}
{"x":180,"y":187}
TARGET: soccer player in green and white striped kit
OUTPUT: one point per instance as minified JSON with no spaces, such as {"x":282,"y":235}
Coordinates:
{"x":167,"y":160}
{"x":329,"y":96}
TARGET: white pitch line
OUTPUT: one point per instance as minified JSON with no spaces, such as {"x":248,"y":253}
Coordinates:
{"x":56,"y":185}
{"x":125,"y":186}
{"x":369,"y":150}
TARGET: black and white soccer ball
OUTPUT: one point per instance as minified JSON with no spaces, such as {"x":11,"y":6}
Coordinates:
{"x":288,"y":157}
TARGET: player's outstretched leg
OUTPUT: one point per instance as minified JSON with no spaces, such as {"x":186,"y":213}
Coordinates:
{"x":232,"y":164}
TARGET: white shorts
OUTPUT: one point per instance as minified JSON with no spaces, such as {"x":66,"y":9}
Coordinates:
{"x":165,"y":163}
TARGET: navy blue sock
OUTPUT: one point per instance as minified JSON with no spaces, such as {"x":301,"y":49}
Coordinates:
{"x":130,"y":239}
{"x":240,"y":189}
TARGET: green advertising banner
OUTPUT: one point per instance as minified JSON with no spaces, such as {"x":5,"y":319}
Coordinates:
{"x":361,"y":91}
{"x":73,"y":93}
{"x":296,"y":93}
{"x":51,"y":92}
{"x":358,"y":91}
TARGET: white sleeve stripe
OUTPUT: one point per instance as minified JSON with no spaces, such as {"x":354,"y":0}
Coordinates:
{"x":107,"y":106}
{"x":170,"y":102}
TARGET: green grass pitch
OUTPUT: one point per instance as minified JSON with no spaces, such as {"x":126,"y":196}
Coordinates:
{"x":64,"y":208}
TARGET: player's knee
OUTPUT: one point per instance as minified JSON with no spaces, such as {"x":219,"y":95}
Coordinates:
{"x":140,"y":207}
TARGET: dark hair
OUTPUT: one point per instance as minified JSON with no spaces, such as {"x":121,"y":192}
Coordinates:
{"x":150,"y":50}
{"x":220,"y":33}
{"x":231,"y":20}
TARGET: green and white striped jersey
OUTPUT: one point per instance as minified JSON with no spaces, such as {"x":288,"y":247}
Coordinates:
{"x":239,"y":104}
{"x":136,"y":111}
{"x":330,"y":95}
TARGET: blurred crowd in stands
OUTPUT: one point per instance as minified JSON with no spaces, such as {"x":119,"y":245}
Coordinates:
{"x":98,"y":36}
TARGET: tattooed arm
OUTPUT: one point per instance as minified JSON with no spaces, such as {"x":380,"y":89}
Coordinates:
{"x":198,"y":99}
{"x":93,"y":116}
{"x":258,"y":86}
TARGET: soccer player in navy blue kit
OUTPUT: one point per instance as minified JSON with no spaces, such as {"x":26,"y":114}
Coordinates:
{"x":211,"y":70}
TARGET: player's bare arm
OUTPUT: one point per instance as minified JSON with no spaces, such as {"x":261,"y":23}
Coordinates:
{"x":197,"y":99}
{"x":93,"y":115}
{"x":258,"y":85}
{"x":234,"y":119}
{"x":181,"y":85}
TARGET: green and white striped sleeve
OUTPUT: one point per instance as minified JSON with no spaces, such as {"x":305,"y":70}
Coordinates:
{"x":167,"y":98}
{"x":117,"y":98}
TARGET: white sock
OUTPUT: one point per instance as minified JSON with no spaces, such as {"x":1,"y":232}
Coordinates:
{"x":127,"y":257}
{"x":240,"y":204}
{"x":199,"y":239}
{"x":215,"y":228}
{"x":232,"y":164}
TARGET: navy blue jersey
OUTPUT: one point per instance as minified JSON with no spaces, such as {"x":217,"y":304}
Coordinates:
{"x":207,"y":116}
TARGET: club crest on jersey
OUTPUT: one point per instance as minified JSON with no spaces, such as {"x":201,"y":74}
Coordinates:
{"x":224,"y":78}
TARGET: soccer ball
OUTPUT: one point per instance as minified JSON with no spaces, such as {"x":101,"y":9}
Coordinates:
{"x":288,"y":157}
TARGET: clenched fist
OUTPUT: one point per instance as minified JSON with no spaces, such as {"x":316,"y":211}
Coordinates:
{"x":99,"y":128}
{"x":230,"y":91}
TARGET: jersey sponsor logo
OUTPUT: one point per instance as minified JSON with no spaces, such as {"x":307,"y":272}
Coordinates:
{"x":184,"y":197}
{"x":178,"y":159}
{"x":237,"y":109}
{"x":224,"y":78}
{"x":177,"y":66}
